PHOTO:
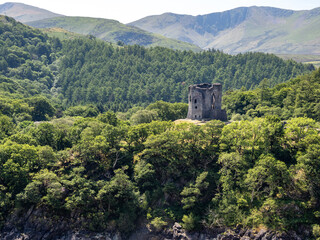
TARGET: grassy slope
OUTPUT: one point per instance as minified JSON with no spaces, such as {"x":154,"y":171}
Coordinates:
{"x":61,"y":33}
{"x":112,"y":31}
{"x":313,"y":59}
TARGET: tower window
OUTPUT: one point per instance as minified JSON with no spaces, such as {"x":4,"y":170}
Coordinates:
{"x":195,"y":107}
{"x":195,"y":101}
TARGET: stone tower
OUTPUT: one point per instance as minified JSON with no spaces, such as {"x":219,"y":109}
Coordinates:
{"x":205,"y":102}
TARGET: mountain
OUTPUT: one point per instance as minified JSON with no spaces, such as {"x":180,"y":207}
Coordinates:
{"x":108,"y":30}
{"x":112,"y":31}
{"x":264,"y":29}
{"x":25,"y":13}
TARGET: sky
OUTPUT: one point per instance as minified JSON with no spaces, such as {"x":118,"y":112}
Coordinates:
{"x":127,"y":11}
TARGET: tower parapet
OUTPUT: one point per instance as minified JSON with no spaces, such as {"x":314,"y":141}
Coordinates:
{"x":205,"y":102}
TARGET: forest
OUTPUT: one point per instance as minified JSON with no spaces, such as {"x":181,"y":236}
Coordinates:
{"x":89,"y":71}
{"x":88,"y":133}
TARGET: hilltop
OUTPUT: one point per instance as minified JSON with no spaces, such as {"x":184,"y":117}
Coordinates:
{"x":25,"y":13}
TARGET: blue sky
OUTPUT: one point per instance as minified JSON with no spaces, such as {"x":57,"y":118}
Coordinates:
{"x":127,"y":11}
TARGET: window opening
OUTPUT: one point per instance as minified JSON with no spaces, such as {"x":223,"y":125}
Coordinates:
{"x":213,"y":101}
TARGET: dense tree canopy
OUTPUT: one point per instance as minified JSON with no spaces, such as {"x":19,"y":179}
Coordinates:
{"x":298,"y":97}
{"x":134,"y":75}
{"x":163,"y":171}
{"x":62,"y":152}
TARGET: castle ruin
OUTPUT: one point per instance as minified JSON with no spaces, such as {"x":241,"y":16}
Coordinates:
{"x":205,"y":102}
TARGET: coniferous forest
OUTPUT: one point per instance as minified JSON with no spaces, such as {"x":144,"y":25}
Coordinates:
{"x":88,"y":134}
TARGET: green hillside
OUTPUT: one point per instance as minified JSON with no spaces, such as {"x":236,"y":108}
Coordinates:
{"x":118,"y":78}
{"x":28,"y":55}
{"x":61,"y":33}
{"x":90,"y":71}
{"x":263,"y":29}
{"x":112,"y":31}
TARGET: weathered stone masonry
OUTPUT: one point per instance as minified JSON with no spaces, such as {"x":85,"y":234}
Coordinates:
{"x":205,"y":102}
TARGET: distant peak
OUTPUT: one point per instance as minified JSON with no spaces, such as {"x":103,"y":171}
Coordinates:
{"x":25,"y":13}
{"x":6,"y":6}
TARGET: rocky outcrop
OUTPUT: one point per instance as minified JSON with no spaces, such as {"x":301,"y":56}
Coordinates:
{"x":81,"y":235}
{"x":176,"y":232}
{"x":36,"y":225}
{"x":232,"y":234}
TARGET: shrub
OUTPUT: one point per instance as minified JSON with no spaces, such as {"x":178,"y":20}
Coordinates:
{"x":158,"y":223}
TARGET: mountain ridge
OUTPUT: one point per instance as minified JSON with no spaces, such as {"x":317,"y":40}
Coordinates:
{"x":242,"y":29}
{"x":238,"y":30}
